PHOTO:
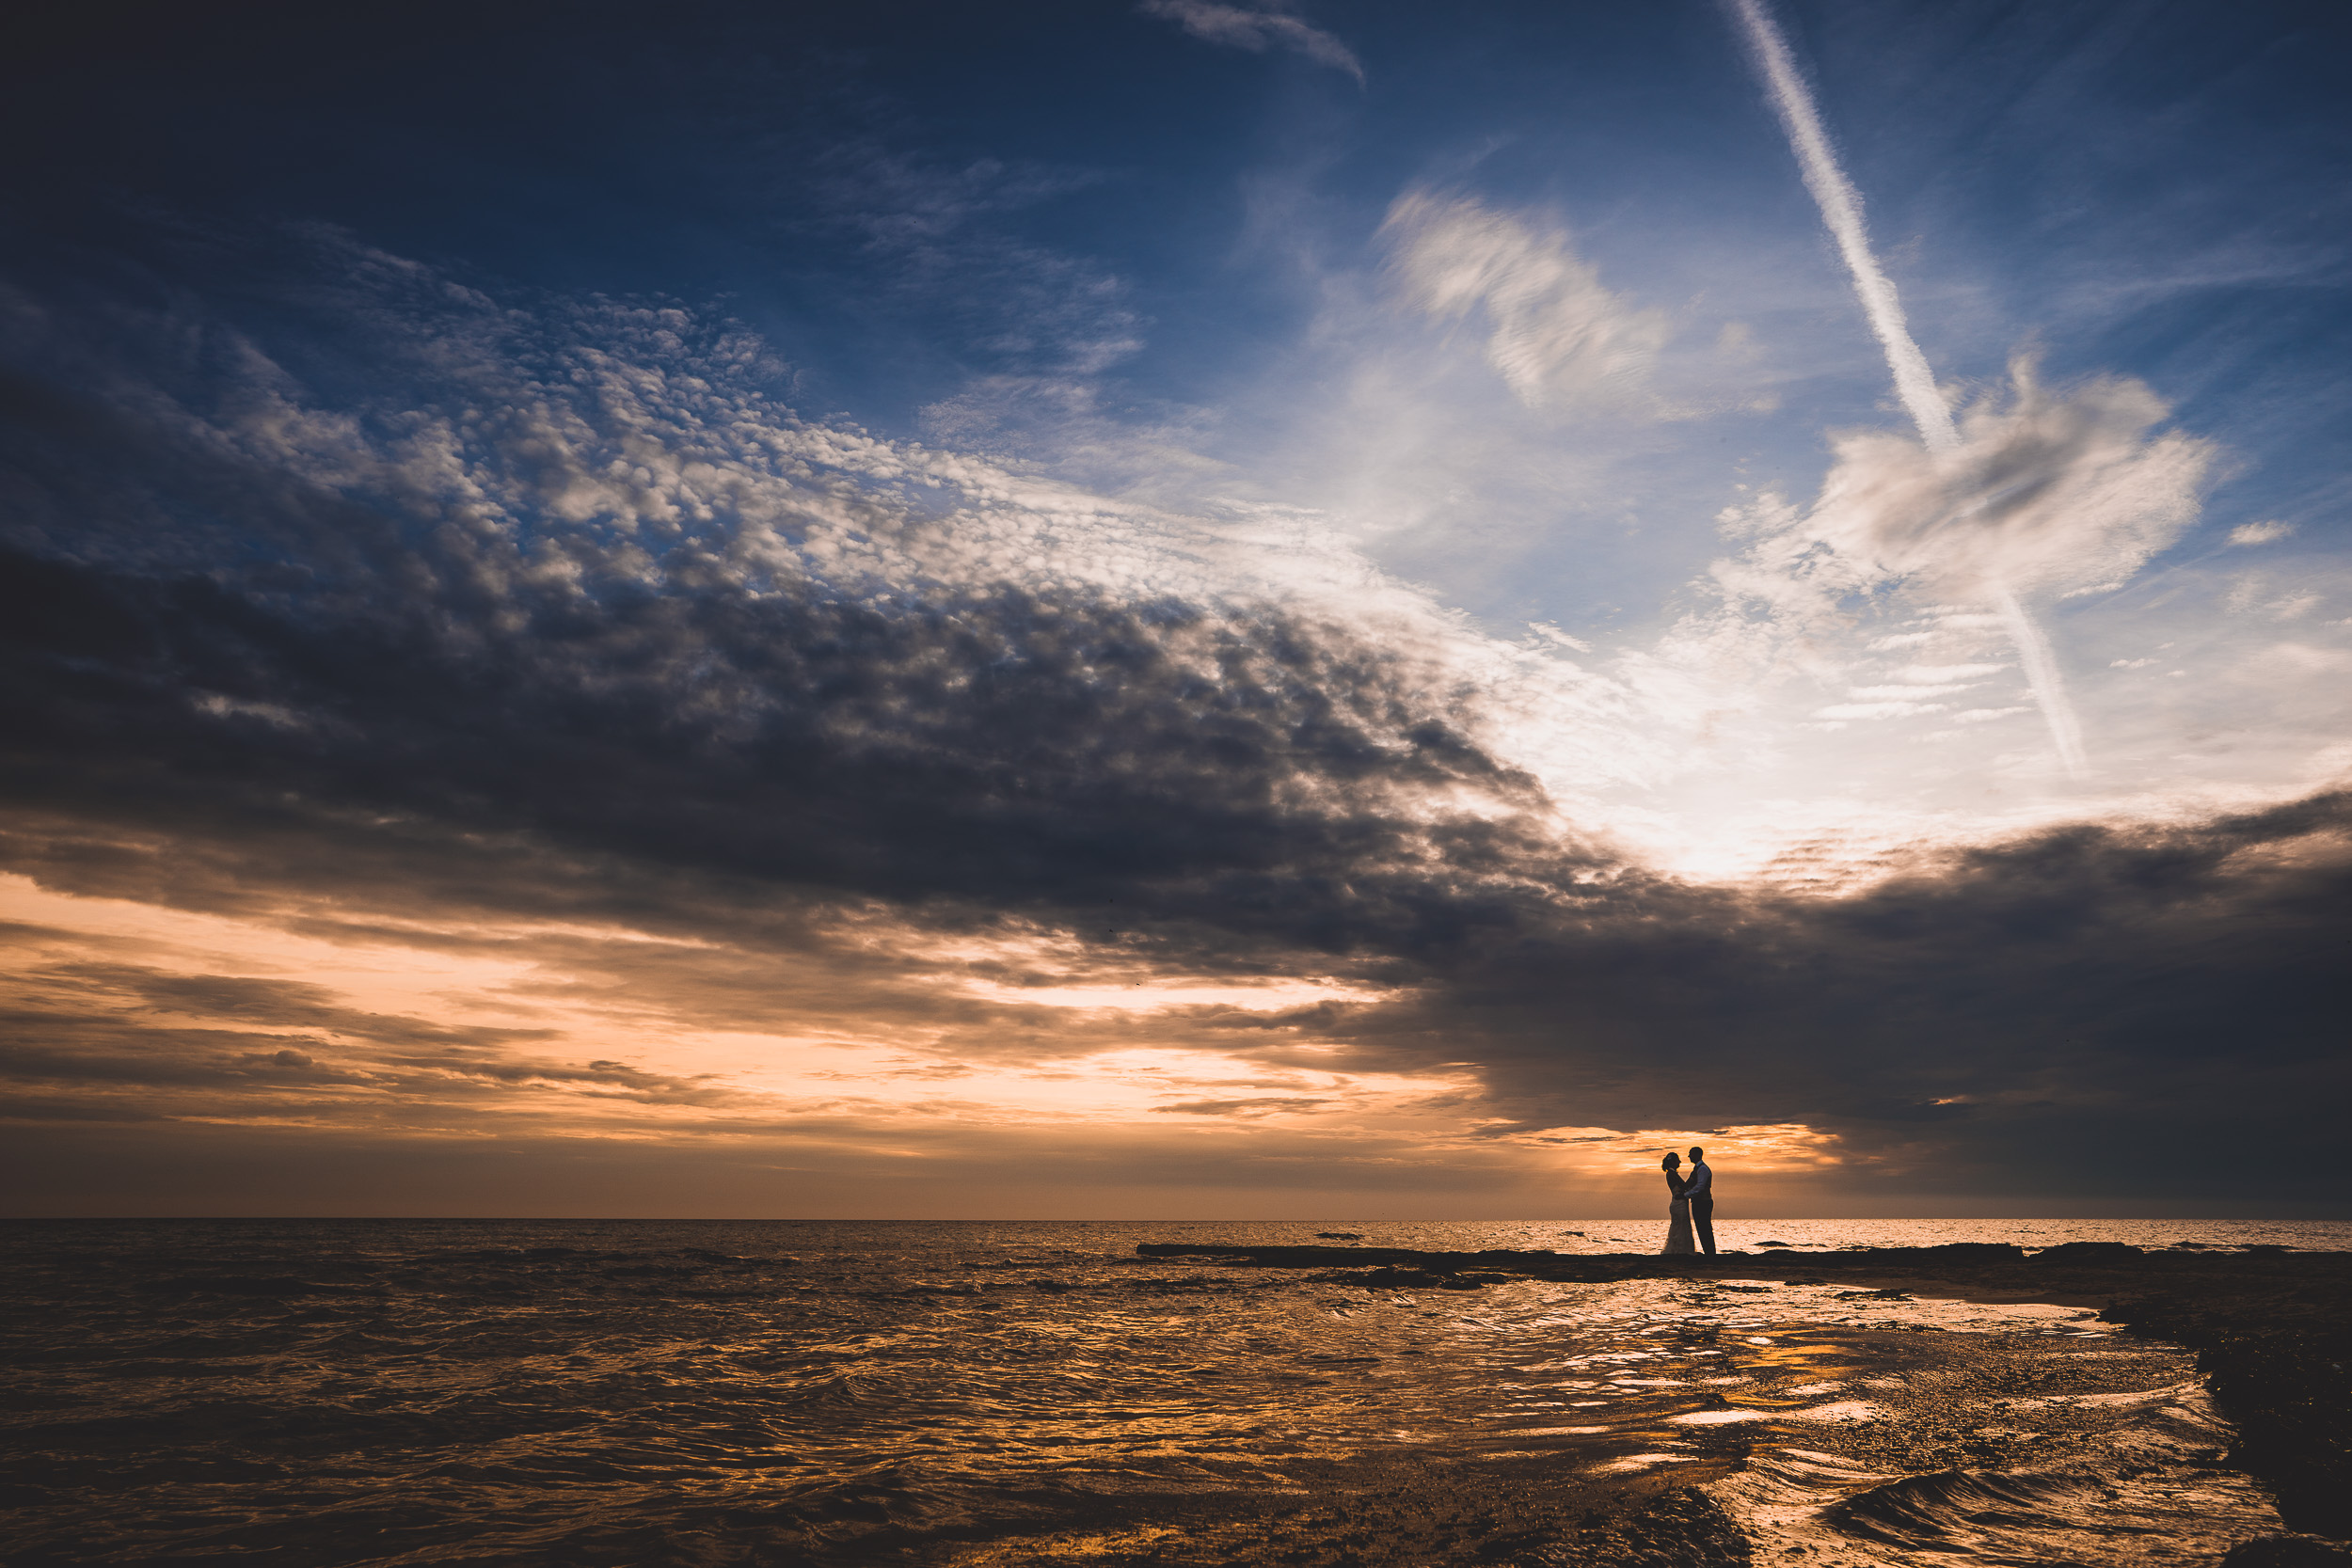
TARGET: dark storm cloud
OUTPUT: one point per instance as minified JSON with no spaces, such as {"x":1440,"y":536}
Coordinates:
{"x":547,"y":677}
{"x":261,"y":1003}
{"x":2003,"y":1017}
{"x":81,"y":1054}
{"x":984,"y":739}
{"x":58,"y":1108}
{"x":994,"y":746}
{"x":114,"y":1026}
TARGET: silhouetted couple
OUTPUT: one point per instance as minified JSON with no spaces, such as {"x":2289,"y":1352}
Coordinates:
{"x":1693,"y":1203}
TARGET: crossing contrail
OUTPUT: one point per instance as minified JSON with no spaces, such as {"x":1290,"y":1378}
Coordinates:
{"x":2042,"y":674}
{"x":1915,"y":383}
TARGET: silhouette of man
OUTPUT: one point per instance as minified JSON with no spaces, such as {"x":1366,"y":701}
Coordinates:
{"x":1701,"y":1192}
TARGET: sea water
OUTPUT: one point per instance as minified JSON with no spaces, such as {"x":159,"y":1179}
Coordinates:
{"x":338,"y":1392}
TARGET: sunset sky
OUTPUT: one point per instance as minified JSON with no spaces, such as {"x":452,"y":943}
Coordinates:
{"x":1182,"y":609}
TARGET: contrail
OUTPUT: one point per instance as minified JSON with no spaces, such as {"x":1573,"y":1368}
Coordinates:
{"x":1915,"y":383}
{"x":1841,"y":213}
{"x":2042,"y":674}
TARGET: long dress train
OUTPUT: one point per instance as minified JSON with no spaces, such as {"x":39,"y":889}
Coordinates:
{"x":1678,"y":1221}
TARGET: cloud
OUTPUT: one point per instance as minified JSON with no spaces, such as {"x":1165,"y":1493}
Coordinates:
{"x":2035,"y":979}
{"x":1550,"y":633}
{"x":2254,"y":592}
{"x":1938,"y":674}
{"x":1240,"y":1107}
{"x":2051,"y":493}
{"x":2260,"y":534}
{"x":606,"y":751}
{"x":1876,"y":710}
{"x":1555,"y":334}
{"x":1256,"y":30}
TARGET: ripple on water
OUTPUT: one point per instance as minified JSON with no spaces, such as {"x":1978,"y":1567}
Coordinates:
{"x":604,"y":1392}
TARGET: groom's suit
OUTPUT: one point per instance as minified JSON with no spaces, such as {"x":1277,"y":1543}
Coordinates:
{"x":1701,"y":1192}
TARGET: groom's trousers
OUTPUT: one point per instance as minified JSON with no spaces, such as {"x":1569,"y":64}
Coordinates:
{"x":1703,"y":1221}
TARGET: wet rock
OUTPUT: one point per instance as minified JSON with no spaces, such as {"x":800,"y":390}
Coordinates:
{"x":2080,"y":1253}
{"x":1684,"y":1528}
{"x":2272,"y":1326}
{"x":1395,"y":1279}
{"x":1925,"y":1514}
{"x":2288,"y":1551}
{"x":1192,"y":1283}
{"x":1964,"y":1253}
{"x":2276,"y":1361}
{"x":1415,"y":1279}
{"x":1339,"y":1236}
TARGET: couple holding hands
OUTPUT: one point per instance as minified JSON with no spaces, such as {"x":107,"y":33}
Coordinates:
{"x":1693,"y":1203}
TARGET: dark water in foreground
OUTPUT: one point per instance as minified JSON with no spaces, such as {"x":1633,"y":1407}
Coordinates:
{"x":969,"y":1394}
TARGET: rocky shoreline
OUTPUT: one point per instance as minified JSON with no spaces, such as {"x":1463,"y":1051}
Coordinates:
{"x":2271,"y":1328}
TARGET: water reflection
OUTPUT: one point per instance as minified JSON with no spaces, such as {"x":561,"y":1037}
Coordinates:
{"x":604,"y":1393}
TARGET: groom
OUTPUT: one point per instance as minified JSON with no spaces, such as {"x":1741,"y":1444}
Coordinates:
{"x":1701,"y":1192}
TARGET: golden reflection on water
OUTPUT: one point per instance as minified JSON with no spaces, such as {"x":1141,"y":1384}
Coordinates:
{"x":598,"y":1384}
{"x":1812,"y":1360}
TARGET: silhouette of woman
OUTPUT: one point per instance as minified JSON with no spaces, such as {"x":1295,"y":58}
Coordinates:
{"x":1678,"y":1209}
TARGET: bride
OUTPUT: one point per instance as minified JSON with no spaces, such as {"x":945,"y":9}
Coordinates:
{"x":1679,"y":1210}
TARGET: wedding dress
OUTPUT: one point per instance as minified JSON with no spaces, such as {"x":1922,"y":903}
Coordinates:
{"x":1679,"y":1219}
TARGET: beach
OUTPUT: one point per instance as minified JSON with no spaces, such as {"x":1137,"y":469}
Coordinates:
{"x":979,"y":1395}
{"x":2271,"y":1396}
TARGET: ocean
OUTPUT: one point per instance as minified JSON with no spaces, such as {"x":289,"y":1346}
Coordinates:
{"x":970,"y":1394}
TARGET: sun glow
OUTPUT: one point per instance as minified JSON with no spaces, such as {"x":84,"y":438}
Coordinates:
{"x":1159,"y":993}
{"x":570,"y":1027}
{"x":1768,"y":1149}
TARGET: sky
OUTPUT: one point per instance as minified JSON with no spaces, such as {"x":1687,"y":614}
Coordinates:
{"x":1177,"y":610}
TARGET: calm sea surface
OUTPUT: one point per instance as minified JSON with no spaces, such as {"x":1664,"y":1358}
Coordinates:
{"x":977,"y":1393}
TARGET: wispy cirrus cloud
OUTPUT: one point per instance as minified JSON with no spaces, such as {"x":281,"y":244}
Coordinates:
{"x":1555,"y":334}
{"x":1256,"y":29}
